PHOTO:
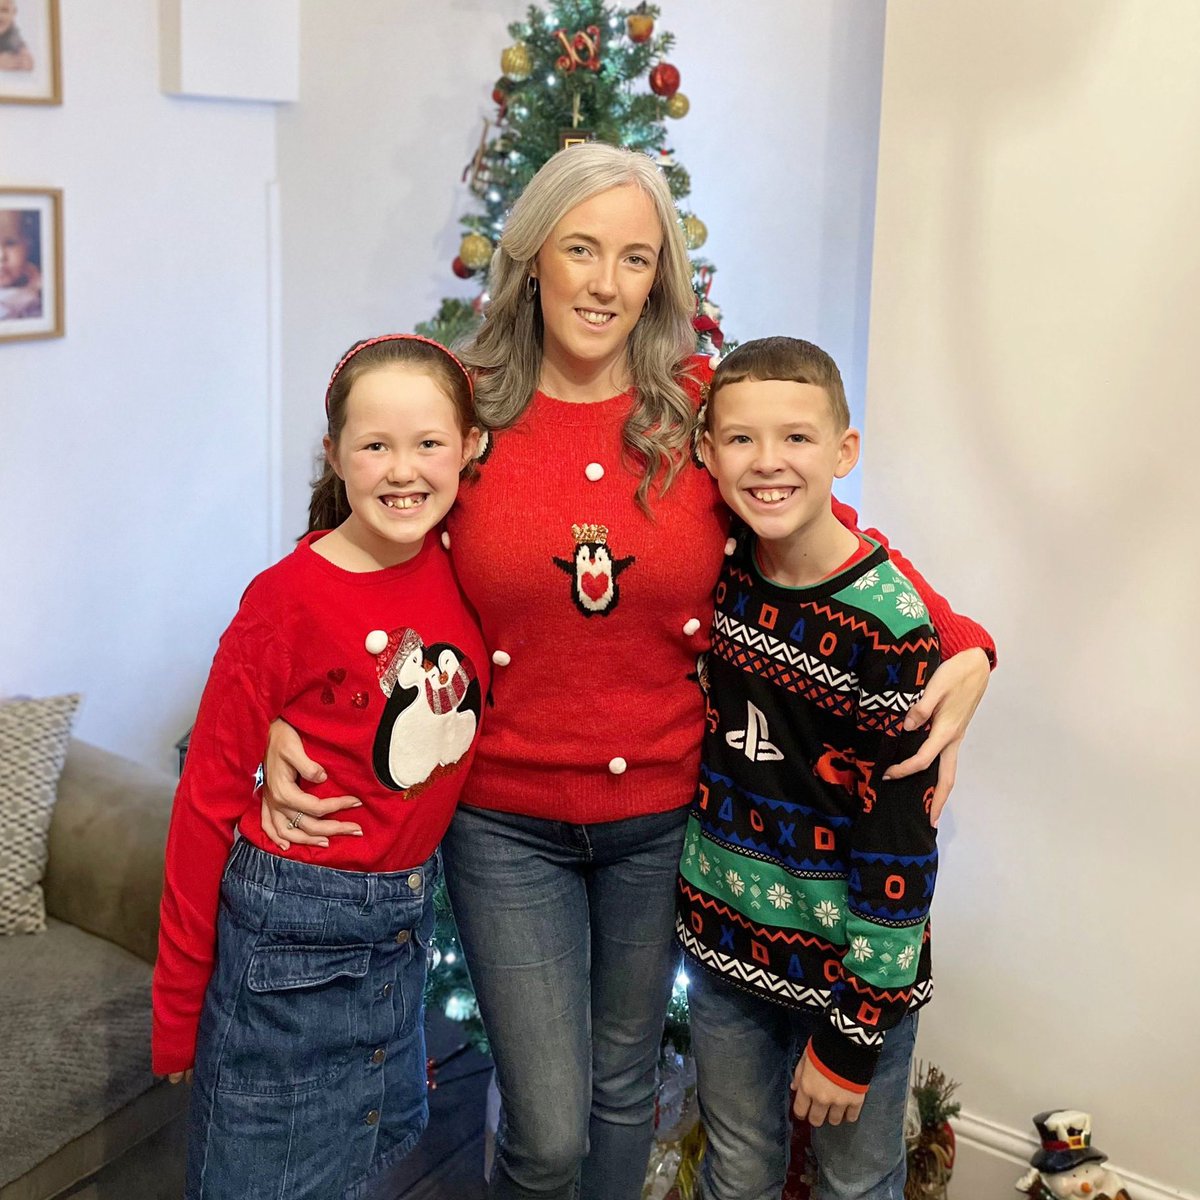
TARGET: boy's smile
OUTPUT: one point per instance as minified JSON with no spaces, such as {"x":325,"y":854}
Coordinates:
{"x":775,"y":449}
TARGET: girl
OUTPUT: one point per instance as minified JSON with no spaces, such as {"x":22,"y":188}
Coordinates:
{"x":308,"y":1043}
{"x":589,"y":542}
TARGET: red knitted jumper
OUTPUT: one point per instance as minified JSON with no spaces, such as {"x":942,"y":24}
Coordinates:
{"x":595,"y":615}
{"x":382,"y":674}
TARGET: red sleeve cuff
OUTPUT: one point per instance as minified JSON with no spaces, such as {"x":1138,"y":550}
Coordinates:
{"x":840,"y":1060}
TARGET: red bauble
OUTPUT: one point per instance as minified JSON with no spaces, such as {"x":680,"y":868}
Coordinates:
{"x":664,"y":80}
{"x":501,"y":90}
{"x":460,"y":268}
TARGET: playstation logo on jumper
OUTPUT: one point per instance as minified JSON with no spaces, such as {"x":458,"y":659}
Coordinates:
{"x":754,"y":741}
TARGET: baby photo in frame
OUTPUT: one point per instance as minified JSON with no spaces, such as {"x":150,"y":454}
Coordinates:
{"x":31,"y":291}
{"x":29,"y":52}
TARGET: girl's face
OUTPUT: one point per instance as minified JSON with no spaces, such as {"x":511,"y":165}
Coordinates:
{"x":399,"y":454}
{"x":14,"y":249}
{"x":594,"y":273}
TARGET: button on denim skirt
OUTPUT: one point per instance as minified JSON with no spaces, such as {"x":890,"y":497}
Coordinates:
{"x":310,"y":1062}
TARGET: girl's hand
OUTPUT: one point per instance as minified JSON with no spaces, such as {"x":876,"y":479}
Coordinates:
{"x":181,"y":1076}
{"x":950,"y":700}
{"x":283,"y":801}
{"x":819,"y":1099}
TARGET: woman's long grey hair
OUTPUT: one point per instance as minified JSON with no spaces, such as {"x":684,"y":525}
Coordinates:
{"x":507,"y":349}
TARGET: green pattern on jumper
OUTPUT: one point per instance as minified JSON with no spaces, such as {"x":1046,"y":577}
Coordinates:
{"x":888,"y":596}
{"x":748,"y":884}
{"x":883,"y":956}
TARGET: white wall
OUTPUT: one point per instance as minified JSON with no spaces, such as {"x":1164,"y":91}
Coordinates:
{"x":133,"y":450}
{"x":1032,"y":391}
{"x":780,"y":144}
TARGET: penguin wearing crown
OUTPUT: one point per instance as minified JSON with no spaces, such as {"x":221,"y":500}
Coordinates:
{"x":1068,"y":1166}
{"x":593,"y":571}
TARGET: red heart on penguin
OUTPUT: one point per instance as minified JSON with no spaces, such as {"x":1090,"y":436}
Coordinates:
{"x":337,"y":675}
{"x":594,"y":584}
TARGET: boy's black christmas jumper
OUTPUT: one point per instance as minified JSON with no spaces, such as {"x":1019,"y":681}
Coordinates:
{"x":806,"y":879}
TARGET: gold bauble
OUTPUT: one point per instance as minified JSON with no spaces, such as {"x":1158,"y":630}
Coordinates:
{"x":694,"y":231}
{"x":475,"y":251}
{"x":678,"y":105}
{"x":516,"y":62}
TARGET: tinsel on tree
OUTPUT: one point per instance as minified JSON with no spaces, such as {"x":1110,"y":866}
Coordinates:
{"x":577,"y":70}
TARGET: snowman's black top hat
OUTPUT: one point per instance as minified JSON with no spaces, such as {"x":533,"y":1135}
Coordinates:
{"x":1066,"y":1141}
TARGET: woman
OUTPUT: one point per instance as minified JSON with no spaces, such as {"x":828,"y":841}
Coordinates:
{"x":589,"y":543}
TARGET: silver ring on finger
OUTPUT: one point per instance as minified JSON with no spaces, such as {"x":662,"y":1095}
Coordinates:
{"x":294,"y":823}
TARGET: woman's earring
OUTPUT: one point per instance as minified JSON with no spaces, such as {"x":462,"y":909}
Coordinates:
{"x":646,"y":306}
{"x":531,"y":286}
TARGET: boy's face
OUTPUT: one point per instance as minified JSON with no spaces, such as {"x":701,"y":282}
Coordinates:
{"x":775,"y":450}
{"x":14,"y":252}
{"x":8,"y":11}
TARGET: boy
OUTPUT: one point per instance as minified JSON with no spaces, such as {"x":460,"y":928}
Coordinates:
{"x":806,"y":878}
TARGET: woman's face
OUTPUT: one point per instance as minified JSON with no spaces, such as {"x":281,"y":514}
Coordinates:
{"x":14,"y":249}
{"x":594,"y":273}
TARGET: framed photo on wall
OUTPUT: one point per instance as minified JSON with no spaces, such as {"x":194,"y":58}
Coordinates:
{"x":29,"y":52}
{"x":31,"y":272}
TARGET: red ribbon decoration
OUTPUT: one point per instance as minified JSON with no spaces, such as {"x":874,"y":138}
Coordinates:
{"x":582,"y":50}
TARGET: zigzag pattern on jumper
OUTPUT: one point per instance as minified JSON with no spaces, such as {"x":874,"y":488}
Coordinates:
{"x":728,"y":631}
{"x":792,"y":937}
{"x":796,"y":681}
{"x":880,"y":639}
{"x":757,"y":979}
{"x":755,"y":639}
{"x":856,"y":1033}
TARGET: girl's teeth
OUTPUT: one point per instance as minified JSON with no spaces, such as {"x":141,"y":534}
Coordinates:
{"x":769,"y":497}
{"x":404,"y":501}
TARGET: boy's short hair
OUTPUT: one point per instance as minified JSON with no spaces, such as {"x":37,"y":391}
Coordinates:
{"x":782,"y":358}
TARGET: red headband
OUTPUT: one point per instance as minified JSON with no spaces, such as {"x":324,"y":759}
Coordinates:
{"x":396,"y":337}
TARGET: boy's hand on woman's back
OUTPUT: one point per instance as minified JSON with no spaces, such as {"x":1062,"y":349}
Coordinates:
{"x":819,"y":1100}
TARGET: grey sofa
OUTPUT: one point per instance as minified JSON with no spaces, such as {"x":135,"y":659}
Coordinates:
{"x":80,"y":1113}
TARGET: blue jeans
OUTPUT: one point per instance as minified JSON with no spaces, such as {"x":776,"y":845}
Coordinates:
{"x":568,"y":933}
{"x":746,"y":1050}
{"x":310,"y":1062}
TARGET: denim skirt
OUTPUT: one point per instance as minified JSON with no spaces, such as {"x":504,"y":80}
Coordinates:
{"x":310,"y":1060}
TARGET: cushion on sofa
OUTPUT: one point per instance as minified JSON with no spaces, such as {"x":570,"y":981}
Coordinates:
{"x":33,"y":744}
{"x":76,"y":1044}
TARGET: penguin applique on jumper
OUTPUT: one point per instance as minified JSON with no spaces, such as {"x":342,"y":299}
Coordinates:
{"x":593,"y":571}
{"x":432,"y":708}
{"x":1068,"y":1166}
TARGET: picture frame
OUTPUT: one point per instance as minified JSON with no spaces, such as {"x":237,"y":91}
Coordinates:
{"x":31,"y":263}
{"x":30,"y":56}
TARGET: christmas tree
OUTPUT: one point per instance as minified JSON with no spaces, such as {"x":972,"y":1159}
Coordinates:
{"x":578,"y":70}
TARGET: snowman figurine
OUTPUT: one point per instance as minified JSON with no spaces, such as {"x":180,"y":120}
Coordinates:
{"x":1068,"y":1166}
